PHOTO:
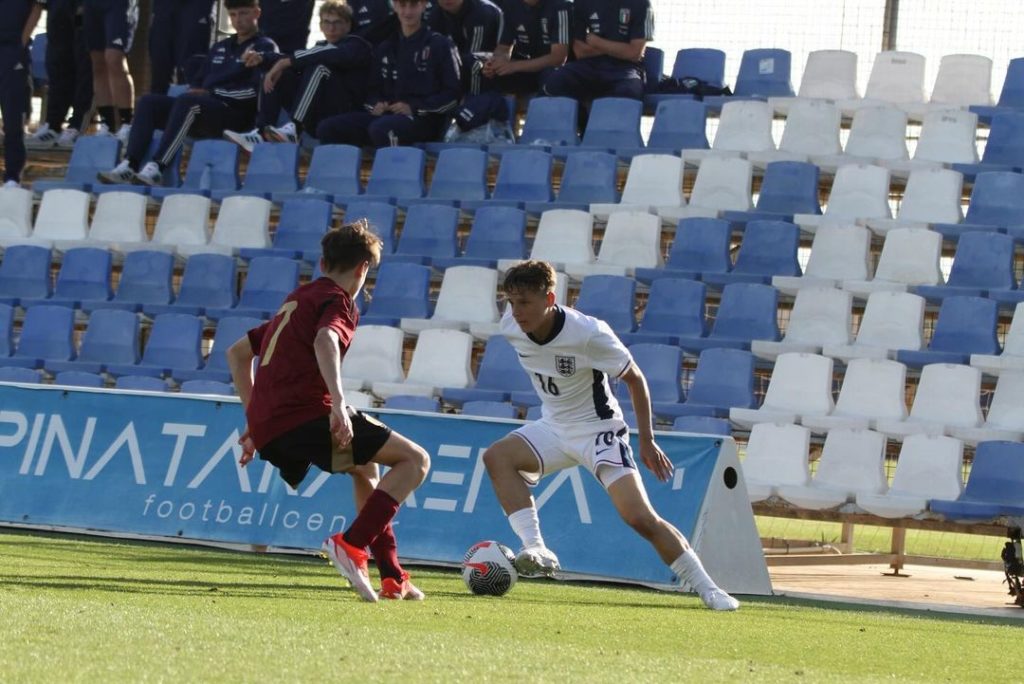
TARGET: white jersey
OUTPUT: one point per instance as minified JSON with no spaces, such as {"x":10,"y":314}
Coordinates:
{"x":570,"y":369}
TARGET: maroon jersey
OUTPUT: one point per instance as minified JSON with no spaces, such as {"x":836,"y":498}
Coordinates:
{"x":288,"y":389}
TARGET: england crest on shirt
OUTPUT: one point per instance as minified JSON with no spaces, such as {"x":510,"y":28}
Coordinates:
{"x":565,"y":365}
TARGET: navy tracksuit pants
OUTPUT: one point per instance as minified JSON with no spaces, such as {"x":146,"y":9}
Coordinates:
{"x":179,"y":117}
{"x":15,"y":94}
{"x":67,"y":66}
{"x":180,"y":29}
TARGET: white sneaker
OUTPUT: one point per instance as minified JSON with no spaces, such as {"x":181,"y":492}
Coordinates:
{"x":44,"y":137}
{"x":123,"y":132}
{"x":351,"y":563}
{"x":121,"y":174}
{"x":716,"y":599}
{"x":286,"y":133}
{"x":12,"y":184}
{"x":67,"y":138}
{"x":536,"y":561}
{"x":247,"y":140}
{"x":150,"y":175}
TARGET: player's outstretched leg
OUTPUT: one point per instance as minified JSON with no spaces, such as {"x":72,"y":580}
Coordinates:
{"x":630,"y":499}
{"x":506,"y":460}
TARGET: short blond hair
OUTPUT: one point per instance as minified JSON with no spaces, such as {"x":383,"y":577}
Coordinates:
{"x":337,"y":8}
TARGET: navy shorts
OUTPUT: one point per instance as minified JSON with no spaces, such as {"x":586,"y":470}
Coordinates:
{"x":110,"y":24}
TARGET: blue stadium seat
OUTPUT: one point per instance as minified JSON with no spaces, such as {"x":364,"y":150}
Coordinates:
{"x":268,"y":282}
{"x":144,"y":383}
{"x":145,"y":279}
{"x":610,"y":298}
{"x":769,"y":248}
{"x":763,"y":73}
{"x":983,"y":263}
{"x":401,"y":290}
{"x":654,"y":67}
{"x":497,"y":233}
{"x":701,"y":245}
{"x":993,"y":487}
{"x":724,"y":378}
{"x":84,"y":277}
{"x":662,"y":365}
{"x":965,"y":326}
{"x":533,"y":411}
{"x":111,"y":338}
{"x":75,"y":378}
{"x":550,"y":122}
{"x":675,"y":307}
{"x":90,"y":155}
{"x":381,"y":217}
{"x":212,"y":165}
{"x":1004,"y":150}
{"x":500,"y":375}
{"x":430,"y":231}
{"x":173,"y":345}
{"x":746,"y":311}
{"x":702,"y":425}
{"x":405,"y":402}
{"x":614,"y":123}
{"x":459,"y":174}
{"x":46,"y":335}
{"x":589,"y":177}
{"x":209,"y":282}
{"x":22,"y":375}
{"x":706,"y":64}
{"x":300,"y":227}
{"x":1011,"y":97}
{"x":24,"y":274}
{"x":214,"y":387}
{"x":229,"y":330}
{"x":397,"y":173}
{"x":333,"y":172}
{"x":6,"y":331}
{"x":171,"y":174}
{"x":788,"y":188}
{"x":523,"y":176}
{"x":997,"y":201}
{"x":272,"y":169}
{"x":490,"y":409}
{"x":678,"y":125}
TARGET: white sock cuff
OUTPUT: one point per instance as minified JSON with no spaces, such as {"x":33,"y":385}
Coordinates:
{"x":526,"y":525}
{"x":691,"y":571}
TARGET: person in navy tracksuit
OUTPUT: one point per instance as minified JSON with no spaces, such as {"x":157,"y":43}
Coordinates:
{"x":475,"y":26}
{"x":535,"y":38}
{"x":286,"y":22}
{"x":222,"y":96}
{"x":20,"y":19}
{"x":179,"y":29}
{"x":109,"y":27}
{"x":373,"y":20}
{"x":609,"y":41}
{"x":413,"y":91}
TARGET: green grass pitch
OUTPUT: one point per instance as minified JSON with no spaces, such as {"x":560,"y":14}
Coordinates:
{"x":79,"y":609}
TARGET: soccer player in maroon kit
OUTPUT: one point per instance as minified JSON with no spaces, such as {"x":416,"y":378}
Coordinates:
{"x":297,"y":416}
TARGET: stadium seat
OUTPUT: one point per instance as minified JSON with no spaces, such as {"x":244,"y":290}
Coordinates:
{"x":613,"y":123}
{"x":1012,"y":356}
{"x":873,"y":390}
{"x":173,"y":345}
{"x":208,"y":282}
{"x":931,"y":196}
{"x":724,"y":379}
{"x":400,"y":290}
{"x":744,"y":126}
{"x":910,"y":257}
{"x":788,"y":188}
{"x":702,"y":425}
{"x":965,"y":326}
{"x":632,"y":240}
{"x":141,"y":383}
{"x":397,"y":173}
{"x":145,"y":279}
{"x":896,"y":78}
{"x":997,"y":201}
{"x":84,"y":277}
{"x":891,"y":321}
{"x":6,"y":331}
{"x":272,"y":169}
{"x":430,"y":231}
{"x":610,"y":298}
{"x":1011,"y":96}
{"x":801,"y":384}
{"x":852,"y":462}
{"x":75,"y":378}
{"x":500,"y":375}
{"x":267,"y":283}
{"x":701,"y":245}
{"x":333,"y":172}
{"x":675,"y":307}
{"x":25,"y":274}
{"x":860,"y":192}
{"x":1005,"y":417}
{"x":654,"y":181}
{"x":812,"y":130}
{"x":838,"y":253}
{"x":763,"y":73}
{"x":777,"y":456}
{"x":62,"y":220}
{"x":300,"y":227}
{"x":962,"y":81}
{"x":820,"y":316}
{"x":983,"y":264}
{"x":21,"y":375}
{"x":119,"y":220}
{"x":564,"y":236}
{"x":380,"y":215}
{"x":722,"y":184}
{"x":171,"y":177}
{"x":212,"y":165}
{"x":769,"y":248}
{"x":1004,"y":150}
{"x":467,"y":301}
{"x":662,"y":366}
{"x":490,"y":409}
{"x":242,"y":222}
{"x":112,"y":337}
{"x":374,"y":355}
{"x":705,"y":64}
{"x":405,"y":402}
{"x":678,"y":125}
{"x":993,"y":486}
{"x":746,"y":312}
{"x":524,"y":175}
{"x":15,"y":213}
{"x":947,"y":397}
{"x":229,"y":330}
{"x":46,"y":336}
{"x":359,"y":400}
{"x":878,"y":135}
{"x":589,"y":176}
{"x":947,"y":137}
{"x":828,"y":75}
{"x":90,"y":155}
{"x":212,"y":387}
{"x":182,"y":223}
{"x":459,"y":174}
{"x":928,"y":467}
{"x":654,"y":67}
{"x":441,"y":359}
{"x":497,"y":233}
{"x":550,"y":122}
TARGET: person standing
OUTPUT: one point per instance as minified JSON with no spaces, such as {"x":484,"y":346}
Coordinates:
{"x":20,"y":19}
{"x":179,"y":30}
{"x":109,"y":27}
{"x":287,"y":22}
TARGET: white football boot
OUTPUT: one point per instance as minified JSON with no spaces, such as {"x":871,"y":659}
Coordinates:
{"x":536,"y":561}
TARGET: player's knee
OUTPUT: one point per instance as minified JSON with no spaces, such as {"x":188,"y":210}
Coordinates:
{"x":420,"y":461}
{"x":493,"y":459}
{"x":644,"y":522}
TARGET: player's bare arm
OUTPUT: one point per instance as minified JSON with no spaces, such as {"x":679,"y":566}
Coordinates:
{"x":650,"y":453}
{"x":240,"y":356}
{"x":328,"y":358}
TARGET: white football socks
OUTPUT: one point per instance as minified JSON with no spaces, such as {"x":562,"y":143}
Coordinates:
{"x":691,"y":571}
{"x":526,"y":525}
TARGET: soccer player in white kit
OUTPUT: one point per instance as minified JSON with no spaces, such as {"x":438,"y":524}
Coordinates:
{"x":571,"y":357}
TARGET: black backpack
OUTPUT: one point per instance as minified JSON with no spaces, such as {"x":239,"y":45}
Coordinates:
{"x":690,"y":85}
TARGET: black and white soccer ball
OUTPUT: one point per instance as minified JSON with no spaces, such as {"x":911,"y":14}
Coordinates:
{"x":489,"y":569}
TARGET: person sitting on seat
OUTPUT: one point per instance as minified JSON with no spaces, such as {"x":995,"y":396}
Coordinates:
{"x":535,"y":39}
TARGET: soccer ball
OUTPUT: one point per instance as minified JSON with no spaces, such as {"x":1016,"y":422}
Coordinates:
{"x":488,"y":569}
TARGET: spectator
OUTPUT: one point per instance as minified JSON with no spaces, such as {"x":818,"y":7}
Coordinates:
{"x":474,"y":26}
{"x":609,"y":41}
{"x":287,"y":22}
{"x":223,"y":96}
{"x":535,"y":39}
{"x":179,"y":29}
{"x":69,"y":76}
{"x":374,"y":20}
{"x":328,"y":78}
{"x":413,"y":91}
{"x":109,"y":27}
{"x":15,"y":69}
